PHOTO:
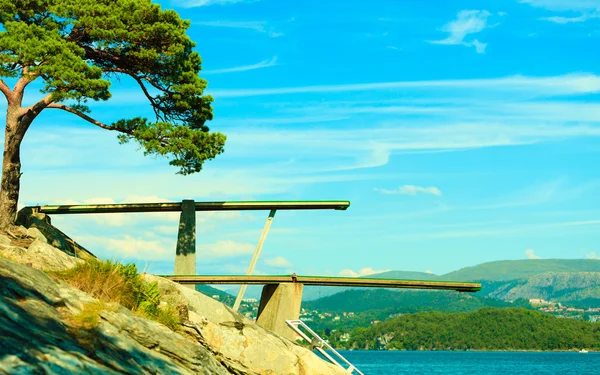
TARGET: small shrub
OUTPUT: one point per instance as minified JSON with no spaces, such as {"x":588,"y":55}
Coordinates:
{"x":119,"y":283}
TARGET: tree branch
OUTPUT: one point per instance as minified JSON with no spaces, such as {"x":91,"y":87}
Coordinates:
{"x":140,"y":81}
{"x":137,"y":79}
{"x":35,"y":109}
{"x":84,"y":116}
{"x":26,"y":78}
{"x":6,"y":91}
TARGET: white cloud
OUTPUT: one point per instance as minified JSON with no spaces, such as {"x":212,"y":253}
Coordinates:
{"x":529,"y":196}
{"x":259,"y":26}
{"x":412,"y":190}
{"x":201,"y":3}
{"x":497,"y":231}
{"x":129,"y":247}
{"x":363,"y":272}
{"x":592,"y":255}
{"x":570,"y":84}
{"x":467,"y":22}
{"x":226,"y":248}
{"x":531,"y":254}
{"x":564,"y":5}
{"x":259,"y":65}
{"x":565,"y":20}
{"x":278,"y":261}
{"x":588,"y":9}
{"x":429,"y":272}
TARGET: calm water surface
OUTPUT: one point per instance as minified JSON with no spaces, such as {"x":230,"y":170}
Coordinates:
{"x":459,"y":363}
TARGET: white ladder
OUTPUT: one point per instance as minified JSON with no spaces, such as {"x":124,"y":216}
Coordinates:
{"x":318,"y":343}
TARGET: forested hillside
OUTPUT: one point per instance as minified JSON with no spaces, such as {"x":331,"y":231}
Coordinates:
{"x":485,"y":329}
{"x":404,"y":301}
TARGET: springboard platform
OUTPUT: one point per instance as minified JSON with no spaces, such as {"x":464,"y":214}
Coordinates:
{"x":281,"y":296}
{"x":324,"y":281}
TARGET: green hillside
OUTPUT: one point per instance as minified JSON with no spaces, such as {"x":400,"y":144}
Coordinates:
{"x":485,"y":329}
{"x":224,"y":297}
{"x":405,"y":275}
{"x":311,"y":293}
{"x":403,"y":301}
{"x":505,"y":270}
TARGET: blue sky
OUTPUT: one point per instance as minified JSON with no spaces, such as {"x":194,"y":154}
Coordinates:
{"x":460,"y":134}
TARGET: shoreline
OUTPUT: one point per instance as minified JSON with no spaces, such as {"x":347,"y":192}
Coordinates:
{"x":476,"y":350}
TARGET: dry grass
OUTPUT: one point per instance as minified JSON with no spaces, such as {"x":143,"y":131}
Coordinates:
{"x":107,"y":281}
{"x":89,"y":317}
{"x":118,"y":283}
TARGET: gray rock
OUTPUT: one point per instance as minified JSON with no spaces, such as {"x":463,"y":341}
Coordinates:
{"x":38,"y":336}
{"x":40,"y":255}
{"x":27,"y":218}
{"x":37,"y":234}
{"x":238,"y":338}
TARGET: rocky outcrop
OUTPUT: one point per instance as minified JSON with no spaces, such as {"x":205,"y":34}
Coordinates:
{"x":39,"y":338}
{"x":38,"y":253}
{"x":40,"y":224}
{"x":238,"y":338}
{"x":49,"y":327}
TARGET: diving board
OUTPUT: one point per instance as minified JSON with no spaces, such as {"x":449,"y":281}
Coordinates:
{"x":198,"y":206}
{"x":185,"y":253}
{"x":325,"y":281}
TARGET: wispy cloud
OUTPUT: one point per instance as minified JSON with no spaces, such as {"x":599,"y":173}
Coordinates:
{"x":467,"y":22}
{"x":592,"y":255}
{"x":363,"y":272}
{"x":531,"y":254}
{"x":564,"y":5}
{"x":565,"y":20}
{"x":202,"y":3}
{"x":588,"y":9}
{"x":570,"y":84}
{"x":278,"y":261}
{"x":243,"y":68}
{"x":259,"y":26}
{"x":128,"y":247}
{"x":412,"y":190}
{"x":500,"y":231}
{"x":527,"y":197}
{"x":224,"y":249}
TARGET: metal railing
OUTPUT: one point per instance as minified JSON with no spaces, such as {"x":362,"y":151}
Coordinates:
{"x":317,"y":343}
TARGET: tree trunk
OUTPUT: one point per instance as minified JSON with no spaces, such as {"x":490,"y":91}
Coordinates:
{"x":11,"y":169}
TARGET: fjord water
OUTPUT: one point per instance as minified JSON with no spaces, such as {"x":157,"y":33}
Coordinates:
{"x":462,"y":363}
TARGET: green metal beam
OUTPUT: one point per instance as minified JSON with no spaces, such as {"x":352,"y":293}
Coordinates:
{"x":200,"y":206}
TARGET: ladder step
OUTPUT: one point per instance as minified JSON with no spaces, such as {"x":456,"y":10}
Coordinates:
{"x":317,"y":343}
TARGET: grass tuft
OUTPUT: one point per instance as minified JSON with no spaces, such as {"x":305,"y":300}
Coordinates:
{"x":118,"y":283}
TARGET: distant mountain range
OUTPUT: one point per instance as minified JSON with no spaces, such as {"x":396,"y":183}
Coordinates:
{"x":505,"y":270}
{"x":575,"y":282}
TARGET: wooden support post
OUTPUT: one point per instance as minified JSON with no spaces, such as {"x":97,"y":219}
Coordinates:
{"x":278,"y":303}
{"x":259,"y":246}
{"x":185,"y":257}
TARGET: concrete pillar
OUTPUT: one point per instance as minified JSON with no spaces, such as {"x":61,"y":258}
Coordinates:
{"x":185,"y":257}
{"x":278,"y":303}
